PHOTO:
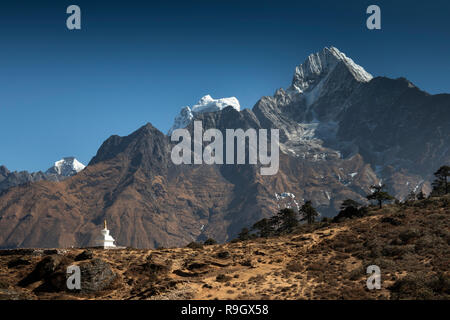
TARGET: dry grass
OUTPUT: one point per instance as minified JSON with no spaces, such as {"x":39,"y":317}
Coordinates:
{"x":409,"y":243}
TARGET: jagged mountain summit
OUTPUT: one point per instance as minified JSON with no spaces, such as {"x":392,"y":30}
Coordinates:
{"x":323,"y":72}
{"x":61,"y":170}
{"x":318,"y":66}
{"x":67,"y":166}
{"x":341,"y":131}
{"x":335,"y":109}
{"x":10,"y":179}
{"x":205,"y":104}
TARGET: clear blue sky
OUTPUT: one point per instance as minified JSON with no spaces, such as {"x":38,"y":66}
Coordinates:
{"x":62,"y":92}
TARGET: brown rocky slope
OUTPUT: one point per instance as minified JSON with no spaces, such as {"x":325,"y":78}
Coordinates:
{"x":409,"y":242}
{"x":149,"y":202}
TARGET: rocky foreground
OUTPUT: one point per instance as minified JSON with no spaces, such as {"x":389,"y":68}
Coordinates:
{"x":409,"y":242}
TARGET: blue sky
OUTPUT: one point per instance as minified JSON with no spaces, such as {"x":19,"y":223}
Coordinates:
{"x":62,"y":93}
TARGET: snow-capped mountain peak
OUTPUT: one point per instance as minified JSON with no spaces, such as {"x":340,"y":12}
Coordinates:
{"x":182,"y":119}
{"x":208,"y":104}
{"x":67,"y":166}
{"x":205,"y":104}
{"x":319,"y":65}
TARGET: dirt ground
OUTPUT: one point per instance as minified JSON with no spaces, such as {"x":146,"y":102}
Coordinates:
{"x":410,"y":244}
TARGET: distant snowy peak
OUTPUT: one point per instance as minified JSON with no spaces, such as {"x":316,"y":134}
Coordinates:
{"x":318,"y":65}
{"x":205,"y":104}
{"x":182,"y":120}
{"x":208,"y":104}
{"x":67,"y":167}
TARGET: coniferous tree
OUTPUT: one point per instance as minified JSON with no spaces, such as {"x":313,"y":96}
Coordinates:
{"x":350,"y":203}
{"x":308,"y":212}
{"x":286,"y":220}
{"x":379,"y":195}
{"x":441,"y":183}
{"x":349,"y":209}
{"x":283,"y":222}
{"x":265,"y":227}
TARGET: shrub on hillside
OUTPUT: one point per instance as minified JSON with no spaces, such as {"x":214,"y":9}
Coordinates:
{"x":421,"y":286}
{"x":223,"y":278}
{"x":209,"y":242}
{"x":195,"y":245}
{"x":350,"y":209}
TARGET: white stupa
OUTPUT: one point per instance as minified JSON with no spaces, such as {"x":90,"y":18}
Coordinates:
{"x":105,"y":240}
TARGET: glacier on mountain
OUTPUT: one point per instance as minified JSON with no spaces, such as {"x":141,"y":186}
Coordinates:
{"x":205,"y":104}
{"x":67,"y":166}
{"x":319,"y":88}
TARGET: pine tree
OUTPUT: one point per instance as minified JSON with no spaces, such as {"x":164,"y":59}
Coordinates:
{"x":350,"y":203}
{"x":350,"y":209}
{"x":309,"y":213}
{"x":286,"y":220}
{"x":265,"y":228}
{"x":379,"y":195}
{"x":441,"y":183}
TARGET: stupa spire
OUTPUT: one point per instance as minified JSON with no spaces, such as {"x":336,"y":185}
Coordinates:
{"x":105,"y":240}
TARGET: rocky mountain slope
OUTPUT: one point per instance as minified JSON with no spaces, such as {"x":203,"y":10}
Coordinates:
{"x":408,"y":242}
{"x":150,"y":202}
{"x":61,"y":170}
{"x":336,"y":109}
{"x":340,"y":132}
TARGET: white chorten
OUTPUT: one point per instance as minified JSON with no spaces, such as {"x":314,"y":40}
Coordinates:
{"x":105,"y":240}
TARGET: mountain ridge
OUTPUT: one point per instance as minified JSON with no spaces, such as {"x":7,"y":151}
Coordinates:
{"x":62,"y":169}
{"x":353,"y":134}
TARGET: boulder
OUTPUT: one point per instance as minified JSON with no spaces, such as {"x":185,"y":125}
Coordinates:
{"x":85,"y":255}
{"x":18,"y":262}
{"x":223,"y":255}
{"x":96,"y":275}
{"x":44,"y":269}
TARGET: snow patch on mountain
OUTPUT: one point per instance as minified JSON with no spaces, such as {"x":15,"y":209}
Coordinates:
{"x":318,"y":65}
{"x":205,"y":104}
{"x":67,"y":166}
{"x":182,"y":120}
{"x":311,"y":75}
{"x":208,"y":104}
{"x":287,"y":200}
{"x":321,"y":75}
